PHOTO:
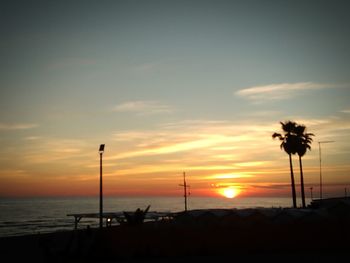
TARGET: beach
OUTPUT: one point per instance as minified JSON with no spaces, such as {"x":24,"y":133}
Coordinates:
{"x":305,"y":235}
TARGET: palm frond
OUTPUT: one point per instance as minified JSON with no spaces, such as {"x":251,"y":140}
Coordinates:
{"x":288,"y":126}
{"x":277,"y":135}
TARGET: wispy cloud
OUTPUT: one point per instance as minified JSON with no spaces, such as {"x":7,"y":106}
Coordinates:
{"x":143,"y":107}
{"x":345,"y":111}
{"x":32,"y":138}
{"x":278,"y":91}
{"x":228,"y":176}
{"x":195,"y":143}
{"x":54,"y":149}
{"x":200,"y":146}
{"x":17,"y":126}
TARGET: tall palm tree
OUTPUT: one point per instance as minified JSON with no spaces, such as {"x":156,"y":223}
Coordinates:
{"x":289,"y":145}
{"x":304,"y":141}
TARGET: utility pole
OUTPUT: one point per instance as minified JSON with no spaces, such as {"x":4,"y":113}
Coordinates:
{"x":319,"y":151}
{"x":185,"y":186}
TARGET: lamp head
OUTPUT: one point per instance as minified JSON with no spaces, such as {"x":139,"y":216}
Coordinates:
{"x":102,"y":148}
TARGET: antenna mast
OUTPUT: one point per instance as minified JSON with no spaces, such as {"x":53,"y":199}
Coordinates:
{"x":185,"y":186}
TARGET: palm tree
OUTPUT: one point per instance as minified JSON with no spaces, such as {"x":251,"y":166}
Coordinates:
{"x":303,"y":144}
{"x":289,"y":145}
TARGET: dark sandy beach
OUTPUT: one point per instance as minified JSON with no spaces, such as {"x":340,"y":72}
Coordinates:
{"x":230,"y":235}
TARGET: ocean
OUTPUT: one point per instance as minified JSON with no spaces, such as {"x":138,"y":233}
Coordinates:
{"x":23,"y":216}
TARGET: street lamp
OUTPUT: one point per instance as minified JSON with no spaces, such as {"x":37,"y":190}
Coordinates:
{"x":319,"y":150}
{"x":101,"y":150}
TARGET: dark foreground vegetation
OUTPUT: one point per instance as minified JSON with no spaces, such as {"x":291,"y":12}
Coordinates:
{"x":288,"y":235}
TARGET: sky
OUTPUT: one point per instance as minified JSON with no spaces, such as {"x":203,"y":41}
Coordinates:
{"x":168,"y":87}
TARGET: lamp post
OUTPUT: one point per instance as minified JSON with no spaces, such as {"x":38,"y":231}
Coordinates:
{"x":319,"y":151}
{"x":101,"y":150}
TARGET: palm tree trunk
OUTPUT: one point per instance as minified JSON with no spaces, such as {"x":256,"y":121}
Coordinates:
{"x":302,"y":182}
{"x":292,"y":180}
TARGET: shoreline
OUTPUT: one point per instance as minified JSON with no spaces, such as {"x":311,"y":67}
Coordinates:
{"x":30,"y":216}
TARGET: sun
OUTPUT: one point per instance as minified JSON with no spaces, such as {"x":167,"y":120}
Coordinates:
{"x":229,"y":192}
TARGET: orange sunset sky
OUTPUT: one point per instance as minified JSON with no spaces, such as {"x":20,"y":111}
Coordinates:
{"x":171,"y":86}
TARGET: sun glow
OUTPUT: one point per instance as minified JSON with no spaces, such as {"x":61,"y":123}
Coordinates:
{"x":229,"y":192}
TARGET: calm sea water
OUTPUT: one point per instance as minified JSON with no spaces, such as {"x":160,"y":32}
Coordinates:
{"x":42,"y":215}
